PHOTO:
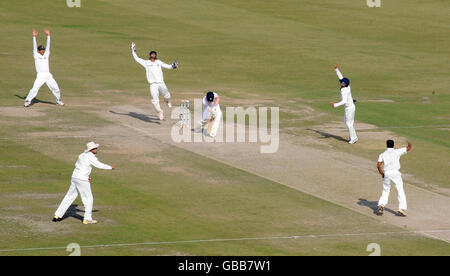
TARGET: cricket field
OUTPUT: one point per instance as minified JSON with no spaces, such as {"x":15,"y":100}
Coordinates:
{"x":315,"y":195}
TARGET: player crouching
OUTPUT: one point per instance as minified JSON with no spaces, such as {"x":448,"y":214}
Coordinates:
{"x":211,"y":113}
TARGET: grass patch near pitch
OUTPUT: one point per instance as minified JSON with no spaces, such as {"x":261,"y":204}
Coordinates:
{"x":179,"y":207}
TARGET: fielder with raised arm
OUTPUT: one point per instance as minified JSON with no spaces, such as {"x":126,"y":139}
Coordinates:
{"x":41,"y":57}
{"x":211,"y":112}
{"x":390,"y":160}
{"x":347,"y":100}
{"x":81,"y":183}
{"x":155,"y":78}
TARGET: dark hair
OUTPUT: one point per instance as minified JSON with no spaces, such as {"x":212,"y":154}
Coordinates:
{"x":153,"y":52}
{"x":390,"y":143}
{"x":41,"y":48}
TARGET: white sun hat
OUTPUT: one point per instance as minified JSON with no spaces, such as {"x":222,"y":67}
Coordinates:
{"x":91,"y":145}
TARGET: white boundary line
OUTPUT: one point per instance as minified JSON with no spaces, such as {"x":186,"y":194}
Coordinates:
{"x":235,"y":240}
{"x":430,"y":126}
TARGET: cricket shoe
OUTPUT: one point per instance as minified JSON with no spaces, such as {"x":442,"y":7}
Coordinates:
{"x":353,"y":141}
{"x":402,"y":213}
{"x":60,"y":103}
{"x":380,"y":210}
{"x":27,"y":104}
{"x":56,"y":219}
{"x":161,"y":116}
{"x":90,"y":221}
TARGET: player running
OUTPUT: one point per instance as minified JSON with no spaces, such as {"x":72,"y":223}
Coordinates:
{"x":81,"y":183}
{"x":347,"y":100}
{"x":390,"y":159}
{"x":155,"y":78}
{"x":41,"y":57}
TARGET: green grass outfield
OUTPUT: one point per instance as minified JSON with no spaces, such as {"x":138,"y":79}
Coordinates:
{"x":278,"y":50}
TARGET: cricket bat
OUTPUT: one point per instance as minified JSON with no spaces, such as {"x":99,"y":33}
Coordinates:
{"x":210,"y":124}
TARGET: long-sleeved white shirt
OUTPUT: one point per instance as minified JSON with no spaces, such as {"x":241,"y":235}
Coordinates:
{"x":391,"y":159}
{"x":207,"y":105}
{"x":41,"y":61}
{"x":83,"y":166}
{"x":346,"y":94}
{"x":153,"y":69}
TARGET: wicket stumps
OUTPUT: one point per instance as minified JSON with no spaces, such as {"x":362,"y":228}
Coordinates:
{"x":185,"y":113}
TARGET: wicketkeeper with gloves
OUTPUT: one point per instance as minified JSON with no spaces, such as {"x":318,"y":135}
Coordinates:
{"x":155,"y":78}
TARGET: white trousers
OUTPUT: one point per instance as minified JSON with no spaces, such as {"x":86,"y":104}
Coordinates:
{"x":155,"y":89}
{"x":84,"y":188}
{"x":349,"y":120}
{"x":42,"y":78}
{"x":207,"y":115}
{"x":396,"y":177}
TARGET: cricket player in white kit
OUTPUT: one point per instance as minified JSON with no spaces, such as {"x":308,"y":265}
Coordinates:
{"x":347,"y":100}
{"x":390,"y":160}
{"x":81,"y":183}
{"x":41,"y":57}
{"x":155,"y":78}
{"x":211,"y":112}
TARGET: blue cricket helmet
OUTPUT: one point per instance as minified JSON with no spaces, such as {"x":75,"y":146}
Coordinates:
{"x":210,"y":96}
{"x":346,"y":81}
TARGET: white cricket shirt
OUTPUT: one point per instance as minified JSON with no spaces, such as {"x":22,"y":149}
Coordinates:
{"x":83,"y":166}
{"x":346,"y":94}
{"x":153,"y":69}
{"x":41,"y":62}
{"x":391,"y":159}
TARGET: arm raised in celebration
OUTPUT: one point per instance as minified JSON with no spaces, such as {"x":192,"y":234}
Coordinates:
{"x":136,"y":58}
{"x":47,"y":48}
{"x":338,"y":72}
{"x":35,"y":33}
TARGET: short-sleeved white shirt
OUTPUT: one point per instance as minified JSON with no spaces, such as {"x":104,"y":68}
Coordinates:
{"x":391,"y":158}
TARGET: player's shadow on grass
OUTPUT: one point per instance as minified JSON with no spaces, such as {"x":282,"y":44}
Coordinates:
{"x":328,"y":135}
{"x":374,"y":206}
{"x":35,"y":100}
{"x":142,"y":117}
{"x":72,"y":212}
